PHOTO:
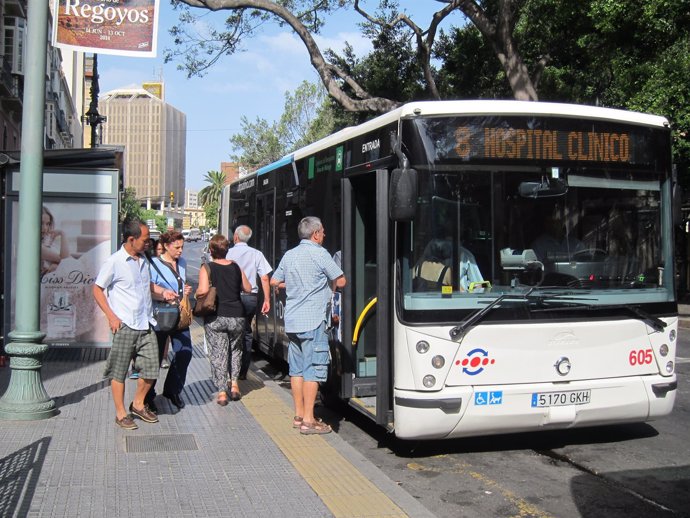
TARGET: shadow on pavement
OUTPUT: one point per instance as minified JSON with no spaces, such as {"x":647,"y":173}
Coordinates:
{"x":78,"y":395}
{"x":633,"y":493}
{"x":19,"y":474}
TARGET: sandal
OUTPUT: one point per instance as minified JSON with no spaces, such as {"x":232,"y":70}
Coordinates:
{"x":297,"y":421}
{"x":222,"y":401}
{"x":316,"y":428}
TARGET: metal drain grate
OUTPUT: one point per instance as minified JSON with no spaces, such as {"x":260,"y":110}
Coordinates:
{"x":160,"y":443}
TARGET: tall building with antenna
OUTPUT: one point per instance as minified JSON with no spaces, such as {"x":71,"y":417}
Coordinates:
{"x":154,"y":135}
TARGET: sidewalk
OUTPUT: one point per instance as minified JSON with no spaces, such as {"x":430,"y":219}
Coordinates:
{"x":205,"y":460}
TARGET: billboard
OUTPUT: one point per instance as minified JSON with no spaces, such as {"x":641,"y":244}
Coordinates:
{"x":121,"y":27}
{"x":79,"y":223}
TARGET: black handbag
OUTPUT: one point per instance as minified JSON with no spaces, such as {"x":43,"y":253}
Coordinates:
{"x":167,"y":315}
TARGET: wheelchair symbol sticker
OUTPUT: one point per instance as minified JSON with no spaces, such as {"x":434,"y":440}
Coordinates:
{"x":488,"y":398}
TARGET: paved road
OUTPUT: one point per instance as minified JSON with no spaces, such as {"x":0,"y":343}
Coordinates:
{"x":626,"y":471}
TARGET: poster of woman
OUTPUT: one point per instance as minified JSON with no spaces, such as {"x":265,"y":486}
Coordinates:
{"x":75,"y":241}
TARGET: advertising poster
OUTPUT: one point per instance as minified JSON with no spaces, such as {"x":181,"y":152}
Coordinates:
{"x":75,"y":241}
{"x":121,"y":27}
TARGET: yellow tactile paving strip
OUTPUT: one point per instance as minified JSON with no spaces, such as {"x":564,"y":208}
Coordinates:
{"x":344,"y":490}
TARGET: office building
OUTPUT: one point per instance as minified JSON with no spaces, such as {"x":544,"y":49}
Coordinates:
{"x":154,"y":135}
{"x":191,"y":199}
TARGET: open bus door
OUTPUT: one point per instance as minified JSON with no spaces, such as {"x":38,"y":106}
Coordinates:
{"x":265,"y":221}
{"x":367,"y":298}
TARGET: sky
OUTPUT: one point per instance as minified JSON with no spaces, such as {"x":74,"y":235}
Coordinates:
{"x":250,"y":83}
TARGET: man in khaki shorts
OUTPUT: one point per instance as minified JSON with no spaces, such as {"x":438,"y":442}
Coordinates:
{"x":123,"y":291}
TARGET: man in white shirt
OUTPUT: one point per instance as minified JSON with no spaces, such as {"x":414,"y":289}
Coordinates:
{"x":123,"y":291}
{"x":253,"y":263}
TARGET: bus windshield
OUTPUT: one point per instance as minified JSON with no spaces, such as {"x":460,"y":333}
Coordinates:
{"x":579,"y":229}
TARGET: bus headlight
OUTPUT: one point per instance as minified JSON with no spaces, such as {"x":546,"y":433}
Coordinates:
{"x":422,"y":347}
{"x":672,"y":335}
{"x":438,"y":361}
{"x":669,"y":367}
{"x":429,"y":381}
{"x":663,"y":350}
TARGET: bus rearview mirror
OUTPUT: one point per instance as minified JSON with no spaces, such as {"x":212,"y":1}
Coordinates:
{"x":402,"y":195}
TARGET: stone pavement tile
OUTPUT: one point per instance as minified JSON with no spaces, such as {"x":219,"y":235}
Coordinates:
{"x":77,"y":464}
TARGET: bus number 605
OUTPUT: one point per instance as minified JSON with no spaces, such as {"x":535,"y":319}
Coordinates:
{"x":640,"y":357}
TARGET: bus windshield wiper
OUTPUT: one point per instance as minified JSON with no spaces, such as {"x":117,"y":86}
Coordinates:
{"x":655,"y":323}
{"x":458,"y":331}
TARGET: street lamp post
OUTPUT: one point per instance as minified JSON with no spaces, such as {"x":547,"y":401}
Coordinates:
{"x":25,"y":397}
{"x":92,"y":117}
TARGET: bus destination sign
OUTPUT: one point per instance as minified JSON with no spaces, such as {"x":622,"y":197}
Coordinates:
{"x":543,"y":144}
{"x":534,"y":139}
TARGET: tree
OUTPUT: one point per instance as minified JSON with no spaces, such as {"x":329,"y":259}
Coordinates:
{"x":495,"y":19}
{"x":211,"y":211}
{"x":307,"y":117}
{"x":211,"y":193}
{"x":129,"y":205}
{"x":160,"y":220}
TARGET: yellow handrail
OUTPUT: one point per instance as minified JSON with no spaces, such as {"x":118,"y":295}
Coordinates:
{"x":360,"y":320}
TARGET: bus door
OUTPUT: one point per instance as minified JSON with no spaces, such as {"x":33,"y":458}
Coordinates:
{"x":367,"y":301}
{"x":265,"y":242}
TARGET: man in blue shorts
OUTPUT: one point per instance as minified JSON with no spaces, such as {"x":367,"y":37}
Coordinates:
{"x":309,"y":276}
{"x":123,"y":291}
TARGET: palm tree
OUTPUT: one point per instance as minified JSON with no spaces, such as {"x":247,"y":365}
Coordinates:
{"x":211,"y":193}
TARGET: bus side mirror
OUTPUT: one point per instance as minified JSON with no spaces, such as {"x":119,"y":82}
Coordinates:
{"x":402,"y":195}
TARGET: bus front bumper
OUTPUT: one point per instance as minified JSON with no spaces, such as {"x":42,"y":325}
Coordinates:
{"x":496,"y":409}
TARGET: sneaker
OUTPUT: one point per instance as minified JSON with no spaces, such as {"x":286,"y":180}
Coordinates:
{"x":126,"y":422}
{"x":134,"y":375}
{"x":144,"y":414}
{"x":165,"y":364}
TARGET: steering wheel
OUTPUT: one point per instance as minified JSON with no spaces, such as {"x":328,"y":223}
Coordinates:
{"x":590,"y":254}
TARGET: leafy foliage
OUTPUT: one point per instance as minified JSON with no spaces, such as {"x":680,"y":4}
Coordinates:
{"x":211,"y":193}
{"x":307,"y":117}
{"x":160,"y":220}
{"x":129,"y":205}
{"x":616,"y":53}
{"x":211,"y":211}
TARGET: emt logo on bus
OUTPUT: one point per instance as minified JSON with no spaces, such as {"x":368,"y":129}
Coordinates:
{"x":475,"y":361}
{"x":507,"y":142}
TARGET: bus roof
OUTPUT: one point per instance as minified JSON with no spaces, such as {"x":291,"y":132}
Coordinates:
{"x":578,"y":111}
{"x":480,"y":107}
{"x":274,"y":165}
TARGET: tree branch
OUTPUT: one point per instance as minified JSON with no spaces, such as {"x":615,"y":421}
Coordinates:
{"x":323,"y":68}
{"x":425,"y":38}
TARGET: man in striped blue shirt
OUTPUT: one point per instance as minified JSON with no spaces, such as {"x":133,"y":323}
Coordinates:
{"x":309,"y":276}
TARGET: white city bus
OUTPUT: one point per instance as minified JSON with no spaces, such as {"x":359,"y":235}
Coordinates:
{"x":509,"y":264}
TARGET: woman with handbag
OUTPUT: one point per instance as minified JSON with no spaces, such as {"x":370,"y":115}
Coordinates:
{"x":169,"y":270}
{"x":225,"y":328}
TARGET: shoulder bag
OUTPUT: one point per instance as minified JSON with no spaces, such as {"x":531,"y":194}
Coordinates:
{"x":184,"y":305}
{"x":206,"y":304}
{"x":167,"y":314}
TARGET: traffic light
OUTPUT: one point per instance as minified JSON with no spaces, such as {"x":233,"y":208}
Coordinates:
{"x":172,"y":196}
